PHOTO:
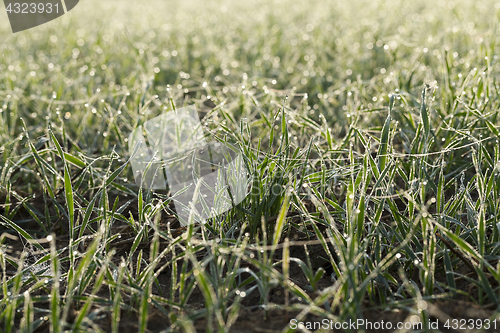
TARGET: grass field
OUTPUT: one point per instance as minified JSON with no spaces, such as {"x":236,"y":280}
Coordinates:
{"x":369,"y":129}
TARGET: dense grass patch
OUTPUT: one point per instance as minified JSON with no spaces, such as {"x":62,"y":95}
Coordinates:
{"x":369,"y":129}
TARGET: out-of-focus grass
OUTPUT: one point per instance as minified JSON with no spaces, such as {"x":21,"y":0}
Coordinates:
{"x":370,"y":130}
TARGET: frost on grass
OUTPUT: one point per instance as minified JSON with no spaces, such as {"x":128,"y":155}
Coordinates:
{"x":33,"y":255}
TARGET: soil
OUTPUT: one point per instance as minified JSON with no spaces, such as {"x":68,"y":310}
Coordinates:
{"x":253,"y":318}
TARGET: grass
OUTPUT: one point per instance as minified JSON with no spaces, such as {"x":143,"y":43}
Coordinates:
{"x":369,"y":129}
